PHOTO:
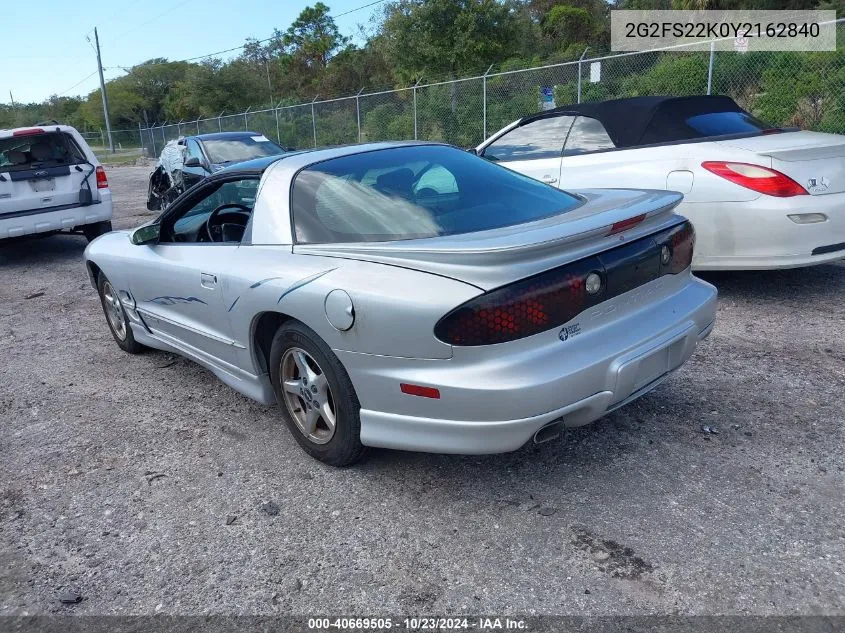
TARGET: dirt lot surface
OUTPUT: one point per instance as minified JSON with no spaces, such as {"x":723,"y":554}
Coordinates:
{"x":146,"y":485}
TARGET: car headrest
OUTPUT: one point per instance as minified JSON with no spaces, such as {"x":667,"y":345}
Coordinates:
{"x":16,"y":157}
{"x":398,"y":182}
{"x":41,"y":151}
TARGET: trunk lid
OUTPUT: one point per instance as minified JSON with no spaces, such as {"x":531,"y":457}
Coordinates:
{"x":814,"y":160}
{"x":493,"y":258}
{"x":41,"y":170}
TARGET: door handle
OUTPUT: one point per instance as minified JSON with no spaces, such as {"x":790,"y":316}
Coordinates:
{"x":207,"y":280}
{"x":549,"y":180}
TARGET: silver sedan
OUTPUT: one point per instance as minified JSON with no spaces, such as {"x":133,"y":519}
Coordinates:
{"x":411,"y":296}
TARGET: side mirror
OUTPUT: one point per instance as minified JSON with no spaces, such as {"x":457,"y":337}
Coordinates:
{"x":147,"y":234}
{"x":193,"y":161}
{"x":473,"y":151}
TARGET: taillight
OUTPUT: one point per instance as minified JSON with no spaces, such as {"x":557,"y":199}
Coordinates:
{"x":102,"y":181}
{"x":624,"y":225}
{"x":676,"y":248}
{"x":28,"y":132}
{"x":756,"y":178}
{"x":556,"y":296}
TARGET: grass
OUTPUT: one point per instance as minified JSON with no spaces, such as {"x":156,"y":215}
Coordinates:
{"x":126,"y":156}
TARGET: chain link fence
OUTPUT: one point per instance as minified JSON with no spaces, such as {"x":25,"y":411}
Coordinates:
{"x":797,"y":89}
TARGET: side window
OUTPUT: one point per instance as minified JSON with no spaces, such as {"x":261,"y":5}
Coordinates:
{"x":542,"y":138}
{"x":587,"y":135}
{"x":194,"y":150}
{"x":190,"y":223}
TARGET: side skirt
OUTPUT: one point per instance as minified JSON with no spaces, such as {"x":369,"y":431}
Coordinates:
{"x":256,"y":387}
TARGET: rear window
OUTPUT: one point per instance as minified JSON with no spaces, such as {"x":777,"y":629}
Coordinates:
{"x":42,"y":150}
{"x":236,"y":150}
{"x":681,"y":124}
{"x":415,"y":192}
{"x":718,"y":123}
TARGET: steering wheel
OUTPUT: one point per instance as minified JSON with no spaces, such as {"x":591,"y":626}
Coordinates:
{"x":215,"y":230}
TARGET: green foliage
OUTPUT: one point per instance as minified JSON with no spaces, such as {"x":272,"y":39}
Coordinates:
{"x":440,"y":38}
{"x":674,"y":74}
{"x":569,"y":24}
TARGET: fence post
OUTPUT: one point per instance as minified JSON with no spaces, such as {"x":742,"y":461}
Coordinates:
{"x":580,"y":60}
{"x":153,"y":138}
{"x":102,"y":139}
{"x":141,"y":139}
{"x":484,"y":102}
{"x":219,"y":121}
{"x":358,"y":111}
{"x":246,"y":122}
{"x":710,"y":66}
{"x":179,"y":127}
{"x":198,"y":127}
{"x":314,"y":120}
{"x":415,"y":107}
{"x":276,"y":113}
{"x":163,"y":137}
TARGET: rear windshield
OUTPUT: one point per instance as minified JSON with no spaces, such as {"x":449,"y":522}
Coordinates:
{"x":719,"y":123}
{"x":236,"y":150}
{"x":415,"y":192}
{"x":679,"y":124}
{"x":41,"y":150}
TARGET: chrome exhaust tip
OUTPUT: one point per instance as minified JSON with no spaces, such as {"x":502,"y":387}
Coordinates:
{"x":549,"y":432}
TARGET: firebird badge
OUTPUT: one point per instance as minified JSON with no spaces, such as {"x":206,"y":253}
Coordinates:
{"x":817,"y":185}
{"x":569,"y":331}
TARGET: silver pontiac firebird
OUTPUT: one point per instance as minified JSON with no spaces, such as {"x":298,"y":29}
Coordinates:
{"x":411,"y":296}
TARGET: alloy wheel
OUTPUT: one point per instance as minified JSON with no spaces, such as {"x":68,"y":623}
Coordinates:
{"x":308,"y":396}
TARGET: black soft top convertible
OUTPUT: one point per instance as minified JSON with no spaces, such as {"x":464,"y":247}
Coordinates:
{"x":639,"y":121}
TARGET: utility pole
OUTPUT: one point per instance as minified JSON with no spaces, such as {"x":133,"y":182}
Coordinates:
{"x":12,"y":98}
{"x":103,"y":90}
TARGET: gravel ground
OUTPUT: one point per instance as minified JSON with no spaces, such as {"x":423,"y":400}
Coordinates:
{"x":146,"y":485}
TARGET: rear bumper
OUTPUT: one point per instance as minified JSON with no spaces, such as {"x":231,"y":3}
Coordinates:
{"x":497,"y":404}
{"x":759,"y":235}
{"x":43,"y":221}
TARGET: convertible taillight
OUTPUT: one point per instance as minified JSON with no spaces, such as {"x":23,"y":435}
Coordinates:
{"x":556,"y":296}
{"x":756,"y":178}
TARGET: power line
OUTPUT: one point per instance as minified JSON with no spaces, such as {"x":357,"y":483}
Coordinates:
{"x":59,"y":94}
{"x":152,"y":19}
{"x":372,"y":4}
{"x":237,"y":48}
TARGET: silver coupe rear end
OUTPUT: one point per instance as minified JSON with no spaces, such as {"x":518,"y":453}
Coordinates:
{"x":414,"y":296}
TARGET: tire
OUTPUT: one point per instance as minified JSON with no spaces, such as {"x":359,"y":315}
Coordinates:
{"x":124,"y":338}
{"x":93,"y":231}
{"x":337,"y":446}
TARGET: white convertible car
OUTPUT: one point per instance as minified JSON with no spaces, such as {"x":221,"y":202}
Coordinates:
{"x":411,"y":296}
{"x":759,"y":197}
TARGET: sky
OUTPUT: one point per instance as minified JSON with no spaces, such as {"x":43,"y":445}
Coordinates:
{"x":50,"y":55}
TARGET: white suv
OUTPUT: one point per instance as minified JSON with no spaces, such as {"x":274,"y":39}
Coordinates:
{"x":50,"y":180}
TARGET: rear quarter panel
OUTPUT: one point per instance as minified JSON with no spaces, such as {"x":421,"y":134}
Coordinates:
{"x":395,"y":308}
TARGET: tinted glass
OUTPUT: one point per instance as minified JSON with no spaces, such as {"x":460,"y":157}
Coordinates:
{"x":539,"y":139}
{"x":240,"y":192}
{"x":235,"y":150}
{"x":718,"y":123}
{"x":415,"y":192}
{"x":194,"y":150}
{"x":587,"y":135}
{"x":52,"y":149}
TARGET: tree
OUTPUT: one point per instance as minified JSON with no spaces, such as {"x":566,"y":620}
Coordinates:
{"x":447,"y":37}
{"x":313,"y":37}
{"x":567,"y":25}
